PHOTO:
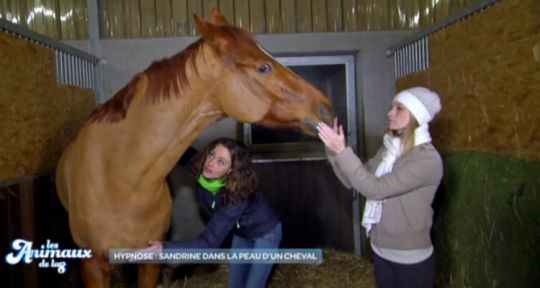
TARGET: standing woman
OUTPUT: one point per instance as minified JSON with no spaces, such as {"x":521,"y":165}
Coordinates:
{"x":226,"y":188}
{"x":399,"y":184}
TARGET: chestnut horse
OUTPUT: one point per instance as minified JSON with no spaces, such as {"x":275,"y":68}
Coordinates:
{"x":111,"y":179}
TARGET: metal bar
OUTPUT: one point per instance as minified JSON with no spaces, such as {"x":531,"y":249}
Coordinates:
{"x":397,"y":59}
{"x":409,"y":59}
{"x":86,"y":74}
{"x":427,"y":51}
{"x":80,"y":72}
{"x":63,"y":67}
{"x":417,"y":56}
{"x":396,"y":70}
{"x":57,"y":65}
{"x":423,"y":53}
{"x":69,"y":69}
{"x":464,"y":13}
{"x":400,"y":63}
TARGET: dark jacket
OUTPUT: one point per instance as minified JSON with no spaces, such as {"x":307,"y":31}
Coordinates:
{"x":250,"y":219}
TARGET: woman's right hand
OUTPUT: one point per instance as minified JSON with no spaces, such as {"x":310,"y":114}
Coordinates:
{"x":332,"y":137}
{"x":154,"y":245}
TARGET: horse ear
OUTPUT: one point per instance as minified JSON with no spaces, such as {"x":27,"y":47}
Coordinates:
{"x":202,"y":26}
{"x":209,"y":32}
{"x":217,"y":18}
{"x":206,"y":29}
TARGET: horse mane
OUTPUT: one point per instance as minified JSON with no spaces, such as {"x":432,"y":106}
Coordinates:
{"x":165,"y":78}
{"x":161,"y":85}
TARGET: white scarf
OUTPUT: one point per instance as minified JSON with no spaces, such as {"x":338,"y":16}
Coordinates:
{"x":392,"y":145}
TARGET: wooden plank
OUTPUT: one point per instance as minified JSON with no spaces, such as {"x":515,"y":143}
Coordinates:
{"x":163,"y":19}
{"x":334,"y":15}
{"x":257,"y":21}
{"x":66,"y":22}
{"x":303,"y":17}
{"x":226,"y":8}
{"x":81,"y":19}
{"x":412,"y":16}
{"x":273,"y":16}
{"x":318,"y":15}
{"x":426,"y":12}
{"x":194,"y":7}
{"x":3,"y":9}
{"x":180,"y":17}
{"x":148,"y":18}
{"x":241,"y":13}
{"x":51,"y":29}
{"x":350,"y":15}
{"x":36,"y":14}
{"x":288,"y":16}
{"x":5,"y":232}
{"x":133,"y":19}
{"x":208,"y":6}
{"x":310,"y":207}
{"x":26,"y":192}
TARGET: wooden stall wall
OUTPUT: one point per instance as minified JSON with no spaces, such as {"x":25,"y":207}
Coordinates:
{"x":32,"y":211}
{"x":487,"y":71}
{"x":316,"y":209}
{"x":38,"y":117}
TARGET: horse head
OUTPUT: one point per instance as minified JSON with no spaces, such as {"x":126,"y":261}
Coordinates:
{"x":269,"y":93}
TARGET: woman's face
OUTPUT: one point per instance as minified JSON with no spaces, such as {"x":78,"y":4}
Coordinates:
{"x":217,"y":163}
{"x":398,"y":116}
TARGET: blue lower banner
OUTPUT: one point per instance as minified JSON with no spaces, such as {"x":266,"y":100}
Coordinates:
{"x":216,"y":256}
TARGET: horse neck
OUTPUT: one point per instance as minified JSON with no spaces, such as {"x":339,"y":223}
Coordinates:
{"x":167,"y":128}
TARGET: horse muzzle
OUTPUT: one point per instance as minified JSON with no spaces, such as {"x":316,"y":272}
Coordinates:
{"x":323,"y":115}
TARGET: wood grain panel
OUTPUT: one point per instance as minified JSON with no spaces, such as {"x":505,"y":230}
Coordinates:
{"x":133,"y":19}
{"x":318,"y":15}
{"x":164,"y":19}
{"x":273,"y":16}
{"x":148,"y":18}
{"x":241,"y":13}
{"x":303,"y":16}
{"x":180,"y":15}
{"x":316,"y":209}
{"x":226,"y":8}
{"x":350,"y":15}
{"x":257,"y":19}
{"x":288,"y":16}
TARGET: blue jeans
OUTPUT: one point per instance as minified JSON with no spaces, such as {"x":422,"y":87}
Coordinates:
{"x":253,"y":275}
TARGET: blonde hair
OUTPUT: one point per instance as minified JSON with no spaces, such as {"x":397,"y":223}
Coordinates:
{"x":406,"y":135}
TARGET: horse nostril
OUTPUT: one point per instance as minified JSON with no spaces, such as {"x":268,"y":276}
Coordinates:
{"x":325,"y":115}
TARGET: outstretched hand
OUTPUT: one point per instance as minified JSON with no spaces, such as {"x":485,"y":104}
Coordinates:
{"x":153,"y":246}
{"x":333,"y":138}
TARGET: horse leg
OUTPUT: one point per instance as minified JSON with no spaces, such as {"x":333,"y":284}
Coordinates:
{"x":96,"y":272}
{"x":149,"y":275}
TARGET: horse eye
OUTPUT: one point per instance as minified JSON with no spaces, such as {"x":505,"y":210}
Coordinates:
{"x":265,"y":68}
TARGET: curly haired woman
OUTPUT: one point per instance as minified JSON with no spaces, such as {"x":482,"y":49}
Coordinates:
{"x":226,"y":187}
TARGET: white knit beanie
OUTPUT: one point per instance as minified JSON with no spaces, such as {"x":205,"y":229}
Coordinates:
{"x":421,"y":102}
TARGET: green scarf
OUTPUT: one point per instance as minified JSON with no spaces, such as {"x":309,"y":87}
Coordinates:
{"x":212,"y":186}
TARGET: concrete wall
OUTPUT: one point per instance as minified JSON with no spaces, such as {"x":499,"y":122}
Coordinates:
{"x":375,"y":76}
